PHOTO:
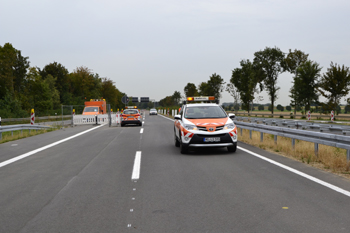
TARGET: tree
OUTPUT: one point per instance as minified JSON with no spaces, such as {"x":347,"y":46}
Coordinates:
{"x":213,"y":87}
{"x":279,"y":107}
{"x":166,"y":102}
{"x":334,"y":85}
{"x":62,"y":84}
{"x":204,"y":89}
{"x":261,"y":107}
{"x":230,"y":88}
{"x":85,"y":85}
{"x":245,"y":80}
{"x":42,"y":92}
{"x":270,"y":62}
{"x":305,"y":84}
{"x":13,"y":70}
{"x":216,"y":85}
{"x":190,"y":90}
{"x":291,"y":64}
{"x":176,"y":97}
{"x":288,"y":108}
{"x":111,"y":94}
{"x":347,"y":109}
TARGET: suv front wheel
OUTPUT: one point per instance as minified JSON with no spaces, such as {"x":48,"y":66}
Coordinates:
{"x":177,"y":143}
{"x":232,"y":148}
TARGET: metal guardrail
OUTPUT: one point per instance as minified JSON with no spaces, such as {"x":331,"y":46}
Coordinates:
{"x":299,"y":124}
{"x":21,"y":127}
{"x":328,"y":139}
{"x":313,"y":115}
{"x":36,"y":118}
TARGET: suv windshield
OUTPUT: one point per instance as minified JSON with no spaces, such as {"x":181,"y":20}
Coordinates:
{"x":131,"y":111}
{"x":153,"y":110}
{"x":199,"y":112}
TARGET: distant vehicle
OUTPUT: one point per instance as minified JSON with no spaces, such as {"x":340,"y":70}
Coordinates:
{"x":204,"y":125}
{"x":95,"y":107}
{"x":131,"y":116}
{"x":153,"y":111}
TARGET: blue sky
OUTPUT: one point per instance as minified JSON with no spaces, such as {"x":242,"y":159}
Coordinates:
{"x":153,"y":48}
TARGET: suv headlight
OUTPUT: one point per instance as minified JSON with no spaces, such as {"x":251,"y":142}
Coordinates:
{"x":190,"y":127}
{"x":229,"y":126}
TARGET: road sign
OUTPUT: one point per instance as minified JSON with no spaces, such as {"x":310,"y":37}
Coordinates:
{"x":144,"y":99}
{"x":125,"y":99}
{"x":135,"y":99}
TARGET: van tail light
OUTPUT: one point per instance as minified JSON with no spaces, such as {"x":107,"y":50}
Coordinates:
{"x":123,"y":115}
{"x":137,"y":115}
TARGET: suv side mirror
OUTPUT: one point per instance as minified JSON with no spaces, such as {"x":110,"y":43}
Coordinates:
{"x":231,"y":115}
{"x":177,"y":117}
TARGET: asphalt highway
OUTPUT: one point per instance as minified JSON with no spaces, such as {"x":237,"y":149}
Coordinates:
{"x":134,"y":179}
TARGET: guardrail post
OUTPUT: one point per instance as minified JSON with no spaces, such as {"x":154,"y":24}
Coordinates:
{"x":0,"y":135}
{"x":250,"y":134}
{"x":316,"y":149}
{"x":241,"y":131}
{"x":347,"y":155}
{"x":275,"y":138}
{"x":293,"y":143}
{"x":261,"y":137}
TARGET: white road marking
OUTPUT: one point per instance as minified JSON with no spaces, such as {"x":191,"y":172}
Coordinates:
{"x":131,"y":210}
{"x":143,"y":122}
{"x":7,"y":162}
{"x":14,"y":145}
{"x":141,"y":130}
{"x":129,"y":225}
{"x":166,"y":118}
{"x":314,"y":179}
{"x":137,"y":164}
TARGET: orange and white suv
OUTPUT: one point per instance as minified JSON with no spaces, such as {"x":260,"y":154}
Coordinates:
{"x":131,"y":116}
{"x":204,"y":125}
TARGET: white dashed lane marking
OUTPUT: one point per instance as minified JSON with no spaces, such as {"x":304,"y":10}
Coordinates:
{"x":141,"y":130}
{"x":137,"y":165}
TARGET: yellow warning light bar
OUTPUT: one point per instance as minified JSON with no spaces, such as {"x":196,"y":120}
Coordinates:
{"x":131,"y":107}
{"x":200,"y":98}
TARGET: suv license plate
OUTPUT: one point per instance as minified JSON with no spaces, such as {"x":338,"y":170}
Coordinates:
{"x":211,"y":139}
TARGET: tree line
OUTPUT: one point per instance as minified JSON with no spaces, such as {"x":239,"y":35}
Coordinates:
{"x":261,"y":74}
{"x":23,"y":87}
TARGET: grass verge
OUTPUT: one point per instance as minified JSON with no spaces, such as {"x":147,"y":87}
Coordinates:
{"x":329,"y":158}
{"x":8,"y":136}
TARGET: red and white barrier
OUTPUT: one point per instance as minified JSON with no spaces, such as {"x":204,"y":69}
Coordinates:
{"x":32,"y":117}
{"x":308,"y":115}
{"x":332,"y":115}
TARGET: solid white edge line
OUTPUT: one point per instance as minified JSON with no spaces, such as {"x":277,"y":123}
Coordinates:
{"x":136,"y":169}
{"x":166,"y":117}
{"x":141,"y":130}
{"x":7,"y":162}
{"x":314,"y":179}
